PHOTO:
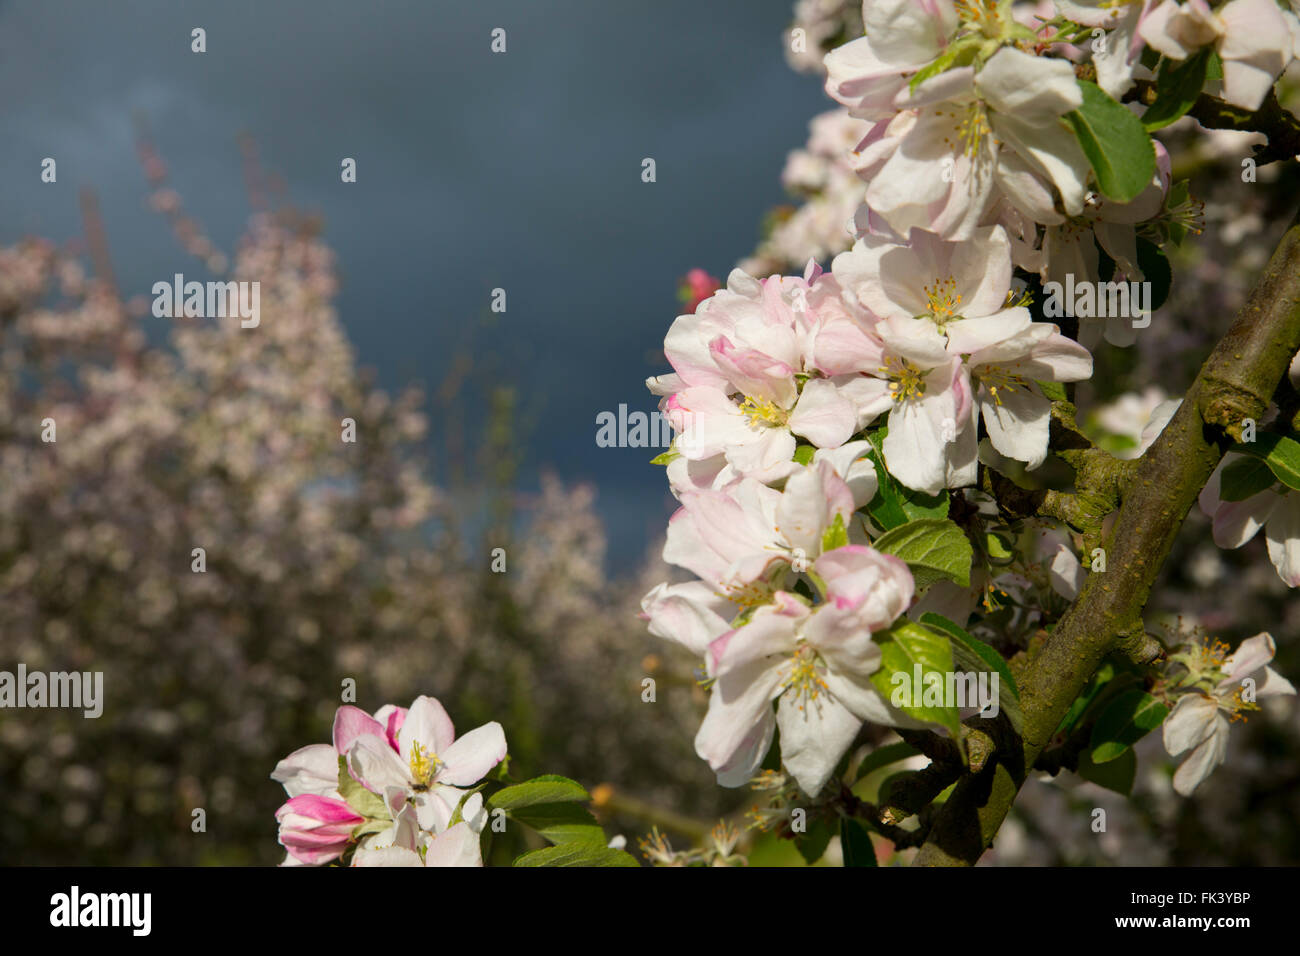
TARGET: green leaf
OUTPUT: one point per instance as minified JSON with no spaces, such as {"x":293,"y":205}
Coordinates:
{"x":550,"y":788}
{"x":576,"y":854}
{"x":366,"y":804}
{"x":812,"y":844}
{"x":884,"y":756}
{"x":551,"y":805}
{"x":804,"y":454}
{"x":917,"y":504}
{"x":1124,"y":721}
{"x":1053,"y":391}
{"x":957,"y":54}
{"x":1245,"y":478}
{"x":972,"y":654}
{"x":1104,"y":675}
{"x":1117,"y":774}
{"x":665,"y":458}
{"x":561,"y":822}
{"x":1214,"y":71}
{"x":903,"y":648}
{"x":1118,"y":148}
{"x":1156,"y":270}
{"x":836,"y":536}
{"x":370,"y":826}
{"x":934,"y":549}
{"x":997,"y":548}
{"x":1282,"y":455}
{"x":1178,"y":84}
{"x":856,"y":843}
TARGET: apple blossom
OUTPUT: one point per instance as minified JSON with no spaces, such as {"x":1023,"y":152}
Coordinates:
{"x":1275,"y":509}
{"x":1253,"y":39}
{"x":964,"y":138}
{"x":1117,"y":56}
{"x":746,"y":382}
{"x":1222,"y":690}
{"x":315,"y":829}
{"x":815,"y":662}
{"x":742,"y":538}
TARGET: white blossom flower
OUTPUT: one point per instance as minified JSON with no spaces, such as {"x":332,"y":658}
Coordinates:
{"x":1252,"y":37}
{"x":815,"y":662}
{"x":1199,"y":722}
{"x":1275,"y":509}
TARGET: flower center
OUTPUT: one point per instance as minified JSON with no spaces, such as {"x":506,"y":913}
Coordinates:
{"x":984,"y":15}
{"x":907,"y":381}
{"x":944,"y":300}
{"x":424,"y":764}
{"x":1000,"y":381}
{"x":804,"y":679}
{"x":763,"y":412}
{"x":974,"y":126}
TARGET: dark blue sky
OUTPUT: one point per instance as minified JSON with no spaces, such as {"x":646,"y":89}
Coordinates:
{"x":475,"y":170}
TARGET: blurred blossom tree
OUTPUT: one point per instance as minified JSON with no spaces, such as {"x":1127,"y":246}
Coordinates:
{"x":322,"y":560}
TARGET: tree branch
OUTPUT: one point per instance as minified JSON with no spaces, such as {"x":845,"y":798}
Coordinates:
{"x":1236,"y":382}
{"x":1281,"y":128}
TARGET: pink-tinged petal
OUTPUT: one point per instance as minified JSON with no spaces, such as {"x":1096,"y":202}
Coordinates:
{"x":812,"y":499}
{"x":350,"y":723}
{"x":691,"y":614}
{"x":1034,"y":89}
{"x":858,"y":472}
{"x":917,"y":340}
{"x":753,"y":372}
{"x":1209,"y":499}
{"x":456,"y":846}
{"x":968,"y":336}
{"x":878,"y":587}
{"x":1026,"y":190}
{"x":428,"y":725}
{"x":1203,"y":760}
{"x":1057,"y":157}
{"x":1236,"y":522}
{"x":687,"y":349}
{"x":376,"y":766}
{"x":1190,"y":723}
{"x":314,"y":829}
{"x":391,"y":716}
{"x":1253,"y":654}
{"x":386,"y":856}
{"x":739,"y":716}
{"x":1273,"y":684}
{"x":311,"y":769}
{"x":324,"y":810}
{"x":469,"y":759}
{"x":870,"y":396}
{"x":859,"y":79}
{"x":1255,"y":48}
{"x":815,"y":733}
{"x":1283,"y":535}
{"x":911,"y":179}
{"x":770,"y":632}
{"x":1017,"y":421}
{"x":1156,"y":31}
{"x":434,"y":808}
{"x":748,"y":757}
{"x":822,"y":415}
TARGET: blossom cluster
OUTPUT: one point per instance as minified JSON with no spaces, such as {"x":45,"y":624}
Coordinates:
{"x":989,"y":158}
{"x":776,"y":384}
{"x":389,"y":791}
